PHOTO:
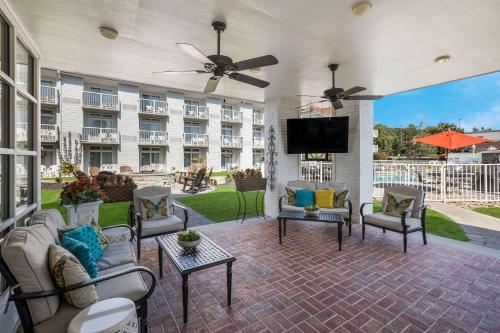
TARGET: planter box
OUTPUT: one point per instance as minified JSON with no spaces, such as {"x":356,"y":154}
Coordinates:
{"x":118,"y":193}
{"x":83,"y":213}
{"x":250,"y":184}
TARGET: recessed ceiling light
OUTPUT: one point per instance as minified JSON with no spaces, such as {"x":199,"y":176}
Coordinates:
{"x":255,"y":70}
{"x":361,"y":7}
{"x":108,"y":33}
{"x":442,"y":59}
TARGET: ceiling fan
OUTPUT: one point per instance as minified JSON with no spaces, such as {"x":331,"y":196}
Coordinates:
{"x":335,"y":95}
{"x":219,"y":65}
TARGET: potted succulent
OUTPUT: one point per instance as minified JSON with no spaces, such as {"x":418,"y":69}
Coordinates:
{"x":249,"y":180}
{"x":189,"y":239}
{"x":311,"y":210}
{"x":82,"y":199}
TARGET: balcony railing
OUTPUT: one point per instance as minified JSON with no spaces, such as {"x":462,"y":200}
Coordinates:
{"x":228,"y":141}
{"x":195,"y":111}
{"x":96,"y":100}
{"x":258,"y":143}
{"x":48,"y":94}
{"x":101,"y":135}
{"x":195,"y":139}
{"x":258,"y":119}
{"x":232,"y":115}
{"x":153,"y":137}
{"x":153,"y":107}
{"x":48,"y":132}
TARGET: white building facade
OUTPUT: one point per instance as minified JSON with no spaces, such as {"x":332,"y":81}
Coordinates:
{"x":126,"y":124}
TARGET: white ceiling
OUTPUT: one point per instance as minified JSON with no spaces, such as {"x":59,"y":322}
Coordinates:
{"x":390,"y":49}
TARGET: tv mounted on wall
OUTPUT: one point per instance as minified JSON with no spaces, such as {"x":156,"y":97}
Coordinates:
{"x":318,"y":135}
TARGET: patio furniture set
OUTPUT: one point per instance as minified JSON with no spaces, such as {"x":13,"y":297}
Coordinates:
{"x":194,"y":179}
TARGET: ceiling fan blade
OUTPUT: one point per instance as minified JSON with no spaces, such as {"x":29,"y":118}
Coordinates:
{"x":266,"y":60}
{"x":337,"y":105}
{"x":194,"y":71}
{"x":363,"y":97}
{"x":249,"y":80}
{"x":194,"y":52}
{"x":308,"y":96}
{"x":353,"y":90}
{"x":212,"y":84}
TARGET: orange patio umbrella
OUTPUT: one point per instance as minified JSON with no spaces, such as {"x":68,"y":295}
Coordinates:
{"x":451,"y":140}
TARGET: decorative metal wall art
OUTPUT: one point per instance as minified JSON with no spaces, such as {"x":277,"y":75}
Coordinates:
{"x":272,"y":158}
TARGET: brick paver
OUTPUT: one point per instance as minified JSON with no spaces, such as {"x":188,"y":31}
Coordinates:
{"x":306,"y":285}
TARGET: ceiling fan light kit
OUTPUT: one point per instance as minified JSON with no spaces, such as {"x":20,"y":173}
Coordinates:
{"x":442,"y":59}
{"x":361,"y":7}
{"x":219,"y":65}
{"x":108,"y":33}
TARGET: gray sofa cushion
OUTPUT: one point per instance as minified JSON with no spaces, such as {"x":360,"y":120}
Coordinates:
{"x":131,"y":286}
{"x":50,"y":218}
{"x":168,"y":224}
{"x":391,"y":222}
{"x":117,"y":234}
{"x":60,"y":322}
{"x":25,"y":250}
{"x":116,"y":254}
{"x":301,"y":184}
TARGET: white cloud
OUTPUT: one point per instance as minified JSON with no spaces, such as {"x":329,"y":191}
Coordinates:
{"x":487,"y":119}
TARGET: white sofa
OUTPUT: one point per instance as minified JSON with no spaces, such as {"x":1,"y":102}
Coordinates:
{"x":346,"y":211}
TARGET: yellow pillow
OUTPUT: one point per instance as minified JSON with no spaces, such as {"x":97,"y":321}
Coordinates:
{"x":324,"y":198}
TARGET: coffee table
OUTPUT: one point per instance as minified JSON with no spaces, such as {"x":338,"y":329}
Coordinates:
{"x":299,"y":215}
{"x":207,"y":254}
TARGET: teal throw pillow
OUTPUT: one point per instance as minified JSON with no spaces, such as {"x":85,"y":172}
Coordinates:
{"x":304,"y":198}
{"x":87,"y":235}
{"x":82,"y":253}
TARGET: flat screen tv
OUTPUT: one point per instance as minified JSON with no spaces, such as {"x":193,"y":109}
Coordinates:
{"x":317,"y":135}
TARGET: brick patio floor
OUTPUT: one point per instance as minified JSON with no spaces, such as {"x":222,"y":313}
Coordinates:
{"x":306,"y":285}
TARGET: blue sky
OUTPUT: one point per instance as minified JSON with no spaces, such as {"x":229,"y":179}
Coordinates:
{"x":475,"y":100}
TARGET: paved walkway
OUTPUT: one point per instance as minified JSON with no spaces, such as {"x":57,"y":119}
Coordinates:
{"x":482,"y":229}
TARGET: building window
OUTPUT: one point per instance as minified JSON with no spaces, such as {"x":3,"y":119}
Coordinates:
{"x":101,"y":121}
{"x":190,"y":155}
{"x":258,"y":158}
{"x":48,"y":117}
{"x":227,"y":159}
{"x":191,"y":105}
{"x":24,"y":124}
{"x":100,"y":156}
{"x":49,"y":156}
{"x":24,"y":68}
{"x":150,"y":156}
{"x":24,"y":180}
{"x":257,"y":132}
{"x":4,"y":115}
{"x":227,"y":130}
{"x":192,"y":127}
{"x":148,"y":124}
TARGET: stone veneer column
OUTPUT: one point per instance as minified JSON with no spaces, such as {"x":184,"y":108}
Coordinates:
{"x":356,"y":167}
{"x":128,"y":125}
{"x":246,"y":156}
{"x":214,"y":106}
{"x":276,"y":113}
{"x":175,"y":130}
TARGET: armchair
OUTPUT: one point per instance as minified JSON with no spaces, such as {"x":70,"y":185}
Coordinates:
{"x":150,"y":228}
{"x":412,"y":220}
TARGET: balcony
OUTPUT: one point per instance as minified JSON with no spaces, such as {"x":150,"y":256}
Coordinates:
{"x":195,"y":140}
{"x":152,"y":107}
{"x":100,"y":135}
{"x":155,"y":138}
{"x":195,"y":111}
{"x":100,"y":101}
{"x":231,"y":116}
{"x":48,"y":133}
{"x":258,"y":119}
{"x":258,"y":143}
{"x":48,"y":95}
{"x":228,"y":141}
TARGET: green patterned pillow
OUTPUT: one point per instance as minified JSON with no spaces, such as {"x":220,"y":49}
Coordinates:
{"x":395,"y":205}
{"x":66,"y":270}
{"x":339,"y":199}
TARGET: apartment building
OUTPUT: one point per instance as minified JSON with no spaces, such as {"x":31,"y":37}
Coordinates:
{"x":139,"y":126}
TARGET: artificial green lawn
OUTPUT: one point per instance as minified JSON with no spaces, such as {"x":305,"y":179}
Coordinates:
{"x":491,"y":211}
{"x":437,"y":224}
{"x":221,"y":204}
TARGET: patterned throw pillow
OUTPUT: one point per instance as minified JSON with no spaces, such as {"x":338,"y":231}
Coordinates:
{"x":82,"y":253}
{"x":102,"y":239}
{"x":66,"y":270}
{"x":304,"y":198}
{"x":290,"y":193}
{"x":155,"y":207}
{"x":339,"y":199}
{"x":395,"y":205}
{"x":324,"y":198}
{"x":87,"y":235}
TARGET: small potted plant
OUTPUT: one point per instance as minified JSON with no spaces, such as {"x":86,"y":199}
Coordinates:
{"x":311,"y":210}
{"x":189,"y":239}
{"x":82,"y":199}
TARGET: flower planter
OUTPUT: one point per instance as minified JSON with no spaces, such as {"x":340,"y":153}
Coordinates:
{"x":250,"y":184}
{"x":118,"y":193}
{"x":83,"y":213}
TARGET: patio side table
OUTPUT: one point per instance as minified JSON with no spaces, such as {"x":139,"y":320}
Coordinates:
{"x":206,"y":254}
